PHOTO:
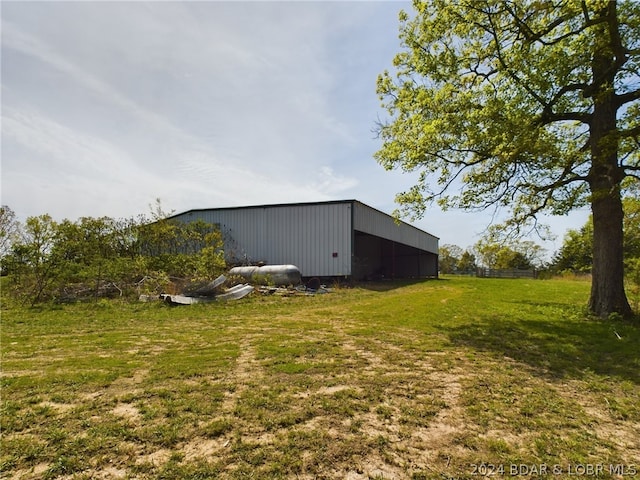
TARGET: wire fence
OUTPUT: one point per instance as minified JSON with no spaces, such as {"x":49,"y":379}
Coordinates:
{"x":506,"y":273}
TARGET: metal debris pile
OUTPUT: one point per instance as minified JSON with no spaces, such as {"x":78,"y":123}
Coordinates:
{"x":291,"y":291}
{"x":210,"y":292}
{"x":283,"y":280}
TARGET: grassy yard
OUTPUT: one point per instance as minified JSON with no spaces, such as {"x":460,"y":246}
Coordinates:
{"x":455,"y":378}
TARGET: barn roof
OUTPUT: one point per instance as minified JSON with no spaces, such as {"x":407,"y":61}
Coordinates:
{"x":300,"y":204}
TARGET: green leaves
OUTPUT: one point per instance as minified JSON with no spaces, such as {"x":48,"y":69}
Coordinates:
{"x":493,"y":98}
{"x":97,"y":257}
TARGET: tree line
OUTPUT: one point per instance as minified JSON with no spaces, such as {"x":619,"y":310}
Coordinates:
{"x":575,"y":256}
{"x":47,"y":260}
{"x":518,"y":254}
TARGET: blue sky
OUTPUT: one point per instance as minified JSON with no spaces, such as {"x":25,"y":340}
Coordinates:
{"x":107,"y":106}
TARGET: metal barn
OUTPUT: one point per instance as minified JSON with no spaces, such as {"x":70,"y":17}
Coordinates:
{"x":324,"y":239}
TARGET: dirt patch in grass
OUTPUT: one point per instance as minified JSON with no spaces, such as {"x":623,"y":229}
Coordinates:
{"x":450,"y":420}
{"x":157,"y":458}
{"x":203,"y":448}
{"x":246,"y":371}
{"x":57,"y":407}
{"x":107,"y":473}
{"x":608,"y":420}
{"x":36,"y":471}
{"x":128,"y":411}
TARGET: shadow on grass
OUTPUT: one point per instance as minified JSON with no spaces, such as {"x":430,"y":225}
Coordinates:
{"x":559,"y":347}
{"x":393,"y":284}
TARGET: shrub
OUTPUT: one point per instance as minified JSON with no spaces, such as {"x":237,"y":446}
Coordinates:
{"x":102,"y":257}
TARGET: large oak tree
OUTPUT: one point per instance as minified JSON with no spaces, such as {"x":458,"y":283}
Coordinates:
{"x":530,"y":105}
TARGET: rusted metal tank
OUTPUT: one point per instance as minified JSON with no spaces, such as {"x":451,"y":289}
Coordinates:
{"x":269,"y":274}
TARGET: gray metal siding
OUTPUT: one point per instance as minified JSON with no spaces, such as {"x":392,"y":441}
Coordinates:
{"x":374,"y":222}
{"x":307,"y":236}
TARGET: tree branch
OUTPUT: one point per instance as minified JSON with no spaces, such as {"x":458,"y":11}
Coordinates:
{"x":493,"y":32}
{"x":531,"y":36}
{"x":547,"y":117}
{"x":619,"y":51}
{"x":560,"y":183}
{"x":631,"y":132}
{"x":626,"y":98}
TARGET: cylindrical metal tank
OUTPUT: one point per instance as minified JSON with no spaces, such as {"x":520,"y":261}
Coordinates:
{"x":270,"y":274}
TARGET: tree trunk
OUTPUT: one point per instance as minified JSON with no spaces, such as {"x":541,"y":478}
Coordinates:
{"x":607,"y":287}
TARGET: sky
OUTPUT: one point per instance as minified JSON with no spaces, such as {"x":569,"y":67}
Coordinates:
{"x":108,"y":106}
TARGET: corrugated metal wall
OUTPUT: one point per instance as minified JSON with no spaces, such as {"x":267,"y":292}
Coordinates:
{"x":319,"y":239}
{"x":372,"y":221}
{"x":314,"y":237}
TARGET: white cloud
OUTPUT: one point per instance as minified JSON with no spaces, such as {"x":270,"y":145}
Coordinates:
{"x":87,"y":171}
{"x":64,"y":172}
{"x":69,"y":151}
{"x":333,"y":184}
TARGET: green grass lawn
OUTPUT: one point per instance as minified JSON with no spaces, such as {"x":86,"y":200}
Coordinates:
{"x":451,"y":378}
